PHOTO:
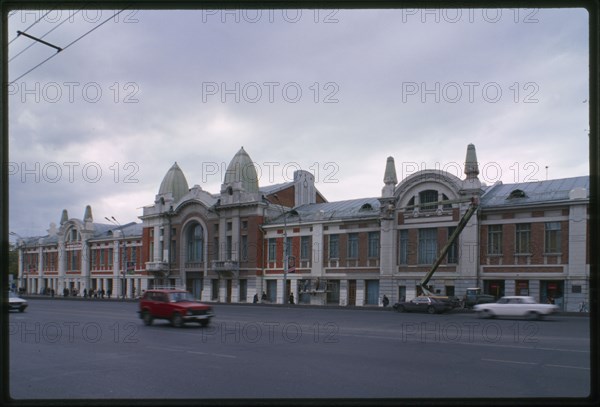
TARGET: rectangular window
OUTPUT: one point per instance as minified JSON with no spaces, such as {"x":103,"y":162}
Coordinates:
{"x":229,"y":247}
{"x":403,"y":247}
{"x":373,"y":242}
{"x":305,"y":248}
{"x":101,"y":258}
{"x":495,"y":239}
{"x":151,"y":252}
{"x":523,"y":238}
{"x":172,"y":254}
{"x":74,"y":265}
{"x":217,"y":248}
{"x":353,"y":245}
{"x":552,"y":238}
{"x":453,"y":250}
{"x":334,"y":243}
{"x":272,"y":249}
{"x":244,"y":247}
{"x":427,"y":245}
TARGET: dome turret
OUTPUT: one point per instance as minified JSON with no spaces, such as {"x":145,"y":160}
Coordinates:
{"x":174,"y":183}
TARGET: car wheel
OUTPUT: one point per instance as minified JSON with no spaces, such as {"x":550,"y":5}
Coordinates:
{"x":533,"y":315}
{"x":399,"y":308}
{"x":177,"y":320}
{"x":204,"y":322}
{"x":486,"y":314}
{"x":431,"y":309}
{"x":147,"y":318}
{"x":22,"y":309}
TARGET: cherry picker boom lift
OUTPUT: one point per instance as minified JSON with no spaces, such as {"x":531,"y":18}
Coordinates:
{"x":459,"y":228}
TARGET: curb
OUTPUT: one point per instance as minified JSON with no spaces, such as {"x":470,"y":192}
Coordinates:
{"x":249,"y":304}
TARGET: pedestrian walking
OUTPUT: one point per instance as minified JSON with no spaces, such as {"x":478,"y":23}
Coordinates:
{"x":291,"y":298}
{"x":264,"y":297}
{"x":255,"y":298}
{"x":108,"y":293}
{"x":85,"y":293}
{"x":386,"y":301}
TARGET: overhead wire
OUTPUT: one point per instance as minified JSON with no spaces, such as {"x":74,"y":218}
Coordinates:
{"x":67,"y":46}
{"x":34,"y":23}
{"x":33,"y":43}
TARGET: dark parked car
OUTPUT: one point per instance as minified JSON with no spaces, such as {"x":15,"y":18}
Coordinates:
{"x":430,"y":305}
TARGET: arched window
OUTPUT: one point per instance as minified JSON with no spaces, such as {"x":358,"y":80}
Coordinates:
{"x":195,"y":240}
{"x":428,"y":196}
{"x":73,"y":235}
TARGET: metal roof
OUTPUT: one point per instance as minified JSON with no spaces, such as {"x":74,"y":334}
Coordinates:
{"x":536,"y":192}
{"x":348,"y":209}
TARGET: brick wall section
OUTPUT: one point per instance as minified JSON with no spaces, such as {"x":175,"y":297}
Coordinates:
{"x":146,"y":245}
{"x":537,"y":245}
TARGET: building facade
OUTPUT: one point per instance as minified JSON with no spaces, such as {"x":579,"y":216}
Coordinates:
{"x":287,"y":240}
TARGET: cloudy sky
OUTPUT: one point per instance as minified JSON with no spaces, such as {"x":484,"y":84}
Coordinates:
{"x":334,"y":92}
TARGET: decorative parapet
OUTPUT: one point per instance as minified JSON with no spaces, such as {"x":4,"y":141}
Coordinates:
{"x":226,"y":268}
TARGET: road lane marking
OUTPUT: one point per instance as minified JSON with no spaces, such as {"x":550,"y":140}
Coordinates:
{"x":569,"y":367}
{"x":224,"y":356}
{"x":509,"y":361}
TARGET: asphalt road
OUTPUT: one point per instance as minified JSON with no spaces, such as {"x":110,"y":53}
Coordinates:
{"x":101,"y":350}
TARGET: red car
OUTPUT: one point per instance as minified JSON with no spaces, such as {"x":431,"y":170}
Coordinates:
{"x":177,"y":306}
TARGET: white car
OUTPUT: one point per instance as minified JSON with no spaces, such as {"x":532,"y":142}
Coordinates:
{"x":515,"y":306}
{"x":16,"y":302}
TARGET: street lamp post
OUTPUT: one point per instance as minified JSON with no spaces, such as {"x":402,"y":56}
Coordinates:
{"x":124,"y":265}
{"x":285,"y":251}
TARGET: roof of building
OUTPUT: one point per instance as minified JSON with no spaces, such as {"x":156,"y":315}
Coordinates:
{"x":536,"y":192}
{"x":175,"y":183}
{"x":102,"y":231}
{"x":349,"y":209}
{"x":241,"y":169}
{"x":271,"y":189}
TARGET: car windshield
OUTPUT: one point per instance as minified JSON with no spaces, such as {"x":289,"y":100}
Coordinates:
{"x":12,"y":295}
{"x":181,"y":296}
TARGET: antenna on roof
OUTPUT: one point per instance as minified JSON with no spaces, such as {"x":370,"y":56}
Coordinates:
{"x":546,"y":173}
